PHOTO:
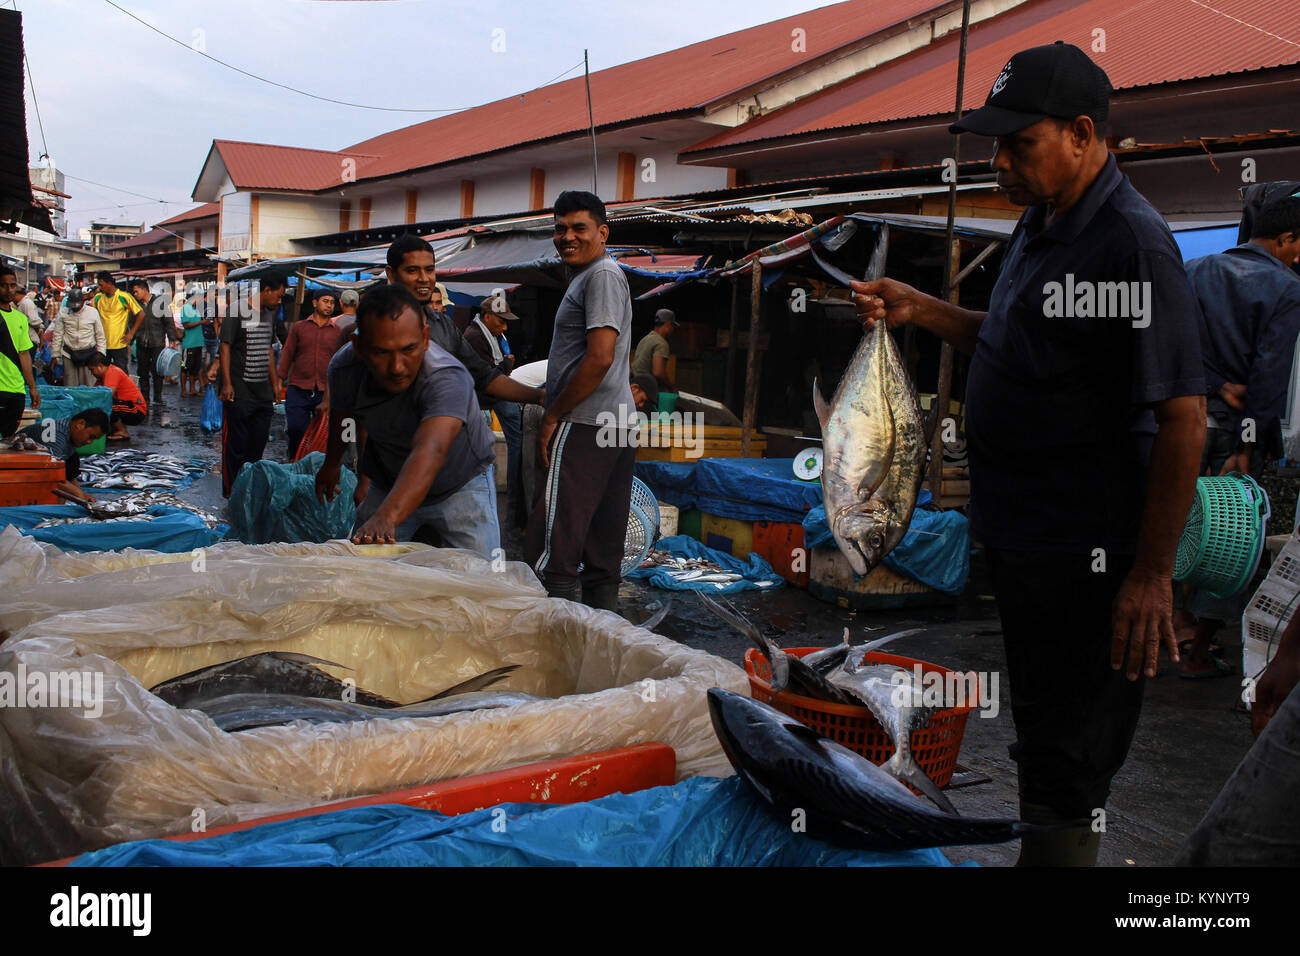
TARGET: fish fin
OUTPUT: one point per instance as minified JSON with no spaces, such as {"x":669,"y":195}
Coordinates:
{"x":486,"y":679}
{"x":882,"y":641}
{"x":819,"y":404}
{"x":876,"y":264}
{"x":776,"y":657}
{"x":911,"y":773}
{"x":296,"y":658}
{"x":805,"y":734}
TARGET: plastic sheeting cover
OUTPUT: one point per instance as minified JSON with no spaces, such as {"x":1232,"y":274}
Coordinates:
{"x":408,"y":626}
{"x":172,"y":530}
{"x":747,"y":489}
{"x":275,"y":502}
{"x":758,"y":574}
{"x":935,"y":550}
{"x":698,"y":822}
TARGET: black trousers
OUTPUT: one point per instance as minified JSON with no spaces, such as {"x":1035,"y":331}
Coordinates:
{"x":580,"y":516}
{"x":122,"y":359}
{"x":11,"y":412}
{"x":147,"y":361}
{"x":1074,"y":715}
{"x":245,"y":427}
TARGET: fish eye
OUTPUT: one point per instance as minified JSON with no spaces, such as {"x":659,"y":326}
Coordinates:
{"x":877,"y":541}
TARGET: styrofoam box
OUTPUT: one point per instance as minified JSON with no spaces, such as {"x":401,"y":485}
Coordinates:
{"x":1270,"y":609}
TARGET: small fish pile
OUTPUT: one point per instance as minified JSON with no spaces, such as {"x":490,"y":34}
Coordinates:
{"x":136,"y":470}
{"x":690,"y":569}
{"x":835,"y":674}
{"x":134,"y":507}
{"x":842,"y":796}
{"x":276,"y":687}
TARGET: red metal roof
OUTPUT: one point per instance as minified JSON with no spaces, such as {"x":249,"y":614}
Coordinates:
{"x":154,"y":235}
{"x":263,"y":166}
{"x":680,"y":80}
{"x":198,"y":212}
{"x":1146,"y":42}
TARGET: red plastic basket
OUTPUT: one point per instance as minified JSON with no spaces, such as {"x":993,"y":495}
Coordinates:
{"x":935,"y":746}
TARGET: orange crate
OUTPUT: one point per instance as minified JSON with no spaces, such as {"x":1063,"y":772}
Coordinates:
{"x":935,"y":746}
{"x":28,"y":478}
{"x":777,"y":542}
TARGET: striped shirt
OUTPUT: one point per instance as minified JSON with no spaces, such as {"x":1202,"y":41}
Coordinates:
{"x":250,"y":355}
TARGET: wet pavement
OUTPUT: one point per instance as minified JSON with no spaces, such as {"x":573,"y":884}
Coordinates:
{"x":1191,"y":735}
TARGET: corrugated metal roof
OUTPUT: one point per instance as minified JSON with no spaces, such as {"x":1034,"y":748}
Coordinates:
{"x":1146,"y":43}
{"x":264,"y":166}
{"x":16,"y":200}
{"x":198,"y":212}
{"x":156,"y":234}
{"x":685,"y":79}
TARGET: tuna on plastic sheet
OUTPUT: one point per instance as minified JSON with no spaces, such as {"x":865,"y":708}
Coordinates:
{"x":408,"y":624}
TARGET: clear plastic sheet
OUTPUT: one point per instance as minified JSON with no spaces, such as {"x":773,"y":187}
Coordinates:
{"x":408,"y":621}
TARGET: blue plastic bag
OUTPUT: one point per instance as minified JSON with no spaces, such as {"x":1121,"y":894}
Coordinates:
{"x":210,"y":417}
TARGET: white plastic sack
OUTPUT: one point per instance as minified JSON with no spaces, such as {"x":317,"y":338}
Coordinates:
{"x":409,"y":626}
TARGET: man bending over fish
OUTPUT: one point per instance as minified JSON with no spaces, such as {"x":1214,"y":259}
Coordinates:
{"x":1080,"y":542}
{"x":424,"y":444}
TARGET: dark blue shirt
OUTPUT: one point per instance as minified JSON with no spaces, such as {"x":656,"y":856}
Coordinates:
{"x":1065,"y":366}
{"x":1250,"y":318}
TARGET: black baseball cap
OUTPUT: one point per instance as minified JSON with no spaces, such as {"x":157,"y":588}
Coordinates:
{"x":1057,"y":80}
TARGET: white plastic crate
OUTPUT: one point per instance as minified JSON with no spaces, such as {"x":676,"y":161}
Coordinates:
{"x":1270,"y":609}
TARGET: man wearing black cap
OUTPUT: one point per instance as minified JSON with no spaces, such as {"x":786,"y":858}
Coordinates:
{"x":652,"y":352}
{"x":1091,"y":328}
{"x":249,"y":381}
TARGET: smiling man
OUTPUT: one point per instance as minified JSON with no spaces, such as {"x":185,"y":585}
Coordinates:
{"x":581,"y":514}
{"x":1078,"y":507}
{"x":425,"y":448}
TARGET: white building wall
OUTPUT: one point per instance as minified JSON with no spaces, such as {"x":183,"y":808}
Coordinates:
{"x":499,"y":194}
{"x":236,"y":222}
{"x":387,"y":209}
{"x":577,"y":175}
{"x":440,"y":201}
{"x":281,"y":219}
{"x":662,"y":176}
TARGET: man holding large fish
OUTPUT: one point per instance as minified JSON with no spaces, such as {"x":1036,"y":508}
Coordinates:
{"x":1080,"y":538}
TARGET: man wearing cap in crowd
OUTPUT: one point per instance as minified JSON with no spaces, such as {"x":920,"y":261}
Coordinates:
{"x":486,"y":332}
{"x":1079,"y":538}
{"x":652,"y":352}
{"x":348,"y":300}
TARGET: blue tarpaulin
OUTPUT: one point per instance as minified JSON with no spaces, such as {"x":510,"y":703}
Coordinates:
{"x":935,"y":550}
{"x":275,"y":502}
{"x":702,"y":821}
{"x":758,"y":574}
{"x":172,"y":530}
{"x":747,"y":489}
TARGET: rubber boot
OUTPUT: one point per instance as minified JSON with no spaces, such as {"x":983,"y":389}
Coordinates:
{"x":603,"y":597}
{"x":570,"y":589}
{"x":1075,"y":845}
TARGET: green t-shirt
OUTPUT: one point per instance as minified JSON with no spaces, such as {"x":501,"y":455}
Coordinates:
{"x":193,"y":338}
{"x":14,"y":338}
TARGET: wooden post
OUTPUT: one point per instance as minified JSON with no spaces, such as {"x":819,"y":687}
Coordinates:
{"x":944,"y":389}
{"x":298,"y":296}
{"x":729,"y":390}
{"x":751,"y":357}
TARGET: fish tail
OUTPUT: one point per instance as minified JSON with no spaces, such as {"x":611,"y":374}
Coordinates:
{"x":478,"y":682}
{"x":910,"y":772}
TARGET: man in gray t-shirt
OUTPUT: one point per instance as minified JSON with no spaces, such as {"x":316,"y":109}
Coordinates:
{"x":580,"y":517}
{"x":424,"y":444}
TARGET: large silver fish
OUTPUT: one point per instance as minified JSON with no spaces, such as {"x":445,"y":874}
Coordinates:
{"x":888,"y":691}
{"x":842,"y":795}
{"x":873,"y":443}
{"x":235,"y":712}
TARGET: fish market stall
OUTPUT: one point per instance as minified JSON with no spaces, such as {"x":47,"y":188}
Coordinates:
{"x":125,"y":764}
{"x":129,"y":469}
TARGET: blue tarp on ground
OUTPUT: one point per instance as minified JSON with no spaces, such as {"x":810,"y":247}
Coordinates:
{"x":173,"y":530}
{"x":935,"y":550}
{"x":747,"y":489}
{"x":758,"y":574}
{"x":702,"y":821}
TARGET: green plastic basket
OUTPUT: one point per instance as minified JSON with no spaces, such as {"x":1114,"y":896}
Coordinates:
{"x":1223,"y":539}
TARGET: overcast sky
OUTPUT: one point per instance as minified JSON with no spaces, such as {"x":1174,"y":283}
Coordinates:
{"x":125,"y":107}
